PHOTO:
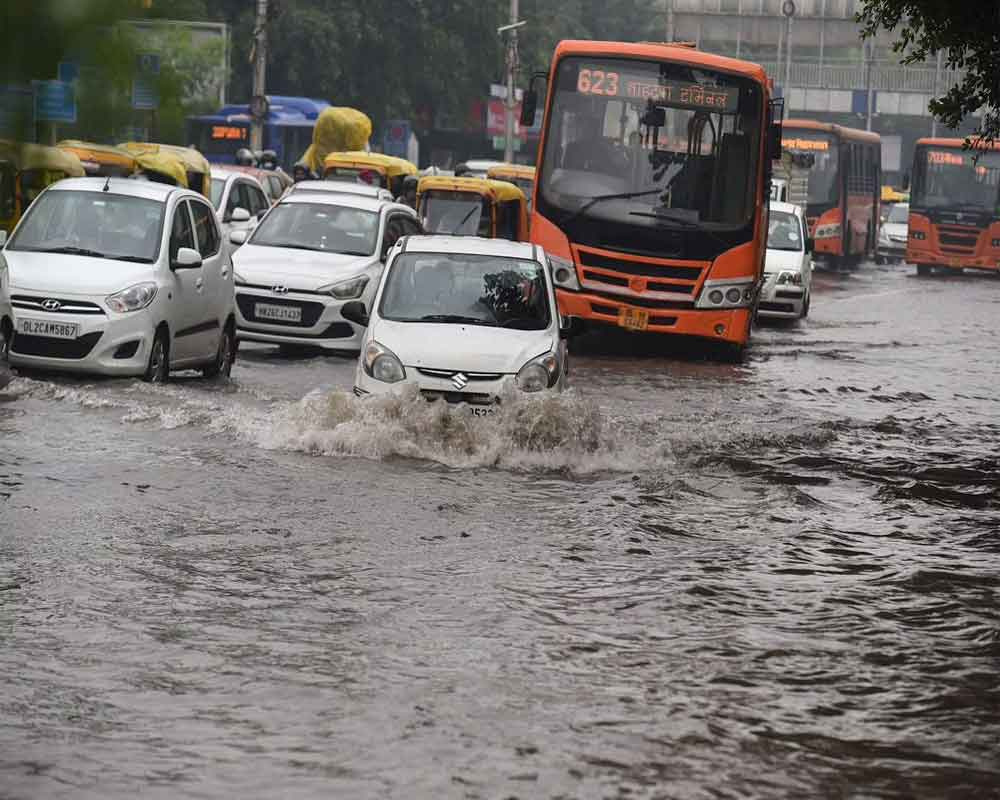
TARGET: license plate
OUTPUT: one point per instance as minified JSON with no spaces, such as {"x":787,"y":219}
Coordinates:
{"x":43,"y":327}
{"x":633,"y":319}
{"x":482,"y":411}
{"x":280,"y":313}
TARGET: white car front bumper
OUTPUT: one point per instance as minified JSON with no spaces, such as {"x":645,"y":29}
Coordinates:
{"x":319,"y":322}
{"x":480,"y":391}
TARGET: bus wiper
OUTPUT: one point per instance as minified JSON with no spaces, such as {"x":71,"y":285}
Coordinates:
{"x":664,"y":214}
{"x":618,"y":196}
{"x":74,"y":251}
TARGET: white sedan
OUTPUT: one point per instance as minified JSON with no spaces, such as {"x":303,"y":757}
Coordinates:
{"x":787,"y":289}
{"x":312,"y":253}
{"x":464,"y":320}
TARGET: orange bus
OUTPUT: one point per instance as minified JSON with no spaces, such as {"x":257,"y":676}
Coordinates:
{"x":954,"y":206}
{"x":843,"y":167}
{"x":650,"y":193}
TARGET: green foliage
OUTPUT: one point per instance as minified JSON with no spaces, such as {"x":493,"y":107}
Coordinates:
{"x":966,"y":33}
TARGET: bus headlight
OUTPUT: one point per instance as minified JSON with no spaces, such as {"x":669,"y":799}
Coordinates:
{"x":828,"y":231}
{"x":726,"y":294}
{"x":564,"y":273}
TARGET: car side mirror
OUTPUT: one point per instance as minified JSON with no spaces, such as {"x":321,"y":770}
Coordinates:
{"x":239,"y":215}
{"x":810,"y":244}
{"x":529,"y":104}
{"x":186,"y":258}
{"x":355,"y":312}
{"x":237,"y":237}
{"x":3,"y":238}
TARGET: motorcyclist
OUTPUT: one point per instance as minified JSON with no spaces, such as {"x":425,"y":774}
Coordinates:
{"x":301,"y":172}
{"x":409,"y":195}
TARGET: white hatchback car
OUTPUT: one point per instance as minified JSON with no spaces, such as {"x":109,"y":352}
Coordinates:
{"x":120,"y":277}
{"x":787,"y":289}
{"x":465,"y":320}
{"x":239,"y":200}
{"x":340,"y":187}
{"x":311,"y":254}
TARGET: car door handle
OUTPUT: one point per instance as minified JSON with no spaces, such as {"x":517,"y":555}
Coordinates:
{"x":198,"y":284}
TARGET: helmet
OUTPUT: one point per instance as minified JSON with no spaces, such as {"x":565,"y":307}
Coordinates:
{"x":244,"y":157}
{"x":268,"y":159}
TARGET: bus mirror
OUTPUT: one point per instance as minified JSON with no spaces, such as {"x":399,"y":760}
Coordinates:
{"x":528,"y":106}
{"x":906,"y":181}
{"x":774,"y":141}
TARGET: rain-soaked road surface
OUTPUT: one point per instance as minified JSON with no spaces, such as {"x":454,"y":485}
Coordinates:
{"x":686,"y":580}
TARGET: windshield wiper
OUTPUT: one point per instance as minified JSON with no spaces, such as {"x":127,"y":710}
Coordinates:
{"x":353,"y":253}
{"x":454,"y":318}
{"x":72,"y":251}
{"x":618,"y":196}
{"x":665,"y":215}
{"x":133,"y":259}
{"x":464,"y":220}
{"x":515,"y":322}
{"x":294,"y":246}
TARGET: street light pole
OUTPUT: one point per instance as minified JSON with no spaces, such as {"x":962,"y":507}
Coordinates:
{"x":788,"y":9}
{"x":508,"y":150}
{"x":869,"y":58}
{"x":259,"y":75}
{"x":937,"y":86}
{"x":670,"y":35}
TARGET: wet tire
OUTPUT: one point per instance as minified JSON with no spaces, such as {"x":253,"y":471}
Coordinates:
{"x":6,"y":337}
{"x":158,"y":366}
{"x":224,"y":356}
{"x":805,"y":305}
{"x":923,"y":269}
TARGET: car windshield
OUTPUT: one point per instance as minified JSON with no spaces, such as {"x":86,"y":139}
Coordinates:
{"x":632,"y":140}
{"x":470,"y":289}
{"x":218,"y":186}
{"x":97,"y":224}
{"x":319,"y":226}
{"x":899,"y":213}
{"x":784,"y":231}
{"x":455,"y":213}
{"x":955,"y":178}
{"x":816,"y":155}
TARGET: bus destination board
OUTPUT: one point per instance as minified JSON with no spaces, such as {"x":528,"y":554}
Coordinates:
{"x":681,"y":94}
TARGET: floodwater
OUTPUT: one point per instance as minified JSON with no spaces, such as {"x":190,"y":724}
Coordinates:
{"x":681,"y":580}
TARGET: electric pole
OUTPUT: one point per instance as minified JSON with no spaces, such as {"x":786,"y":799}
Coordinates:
{"x":670,"y":35}
{"x":869,"y":58}
{"x":258,"y":104}
{"x":508,"y":151}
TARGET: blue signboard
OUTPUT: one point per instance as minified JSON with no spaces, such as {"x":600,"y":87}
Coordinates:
{"x":396,"y":137}
{"x":144,"y":94}
{"x":55,"y":101}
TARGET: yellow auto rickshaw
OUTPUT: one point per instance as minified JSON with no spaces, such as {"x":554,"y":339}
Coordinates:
{"x":25,"y":170}
{"x":521,"y":175}
{"x":472,"y":207}
{"x":375,"y":168}
{"x":101,"y":160}
{"x":197,"y":171}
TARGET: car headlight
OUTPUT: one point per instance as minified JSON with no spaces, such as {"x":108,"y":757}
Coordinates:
{"x":539,"y":373}
{"x":793,"y":278}
{"x":726,"y":295}
{"x":351,"y":289}
{"x":382,"y":364}
{"x":564,"y":273}
{"x":134,"y":298}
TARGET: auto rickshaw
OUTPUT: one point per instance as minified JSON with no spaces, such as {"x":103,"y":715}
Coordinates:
{"x":25,"y":170}
{"x":101,"y":160}
{"x":521,"y":175}
{"x":386,"y":171}
{"x":472,"y":207}
{"x":197,"y":171}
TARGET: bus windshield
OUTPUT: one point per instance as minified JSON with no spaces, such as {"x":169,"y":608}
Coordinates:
{"x":817,"y":153}
{"x":644,"y":142}
{"x":947,"y":178}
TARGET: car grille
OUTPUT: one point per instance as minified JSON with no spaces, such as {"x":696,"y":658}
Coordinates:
{"x":270,"y":288}
{"x":448,"y":374}
{"x":786,"y":308}
{"x":788,"y":295}
{"x":311,"y":312}
{"x":472,"y":398}
{"x":55,"y":348}
{"x":27,"y":303}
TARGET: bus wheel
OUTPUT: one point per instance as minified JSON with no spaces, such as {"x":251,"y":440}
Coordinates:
{"x":923,"y":269}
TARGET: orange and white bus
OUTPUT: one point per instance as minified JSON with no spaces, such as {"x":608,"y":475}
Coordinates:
{"x":954,"y":206}
{"x":844,"y":171}
{"x":651,"y":187}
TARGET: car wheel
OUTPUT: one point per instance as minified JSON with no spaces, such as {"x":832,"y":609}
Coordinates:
{"x":158,"y":366}
{"x":879,"y":261}
{"x":224,"y":357}
{"x":923,"y":269}
{"x":6,"y":337}
{"x":805,"y":304}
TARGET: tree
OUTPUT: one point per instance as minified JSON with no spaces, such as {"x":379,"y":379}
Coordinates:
{"x":968,"y":34}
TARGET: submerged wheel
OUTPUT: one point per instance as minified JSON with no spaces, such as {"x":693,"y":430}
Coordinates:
{"x":6,"y":337}
{"x":158,"y":366}
{"x":923,"y":269}
{"x":224,"y":357}
{"x":805,"y":305}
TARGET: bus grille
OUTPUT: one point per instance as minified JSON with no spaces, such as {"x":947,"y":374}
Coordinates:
{"x":958,"y":240}
{"x":630,"y":266}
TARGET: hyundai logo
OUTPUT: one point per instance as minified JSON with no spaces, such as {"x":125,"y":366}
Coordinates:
{"x":279,"y":289}
{"x":459,"y":381}
{"x":51,"y":305}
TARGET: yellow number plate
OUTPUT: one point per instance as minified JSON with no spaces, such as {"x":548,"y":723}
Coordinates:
{"x":633,"y":319}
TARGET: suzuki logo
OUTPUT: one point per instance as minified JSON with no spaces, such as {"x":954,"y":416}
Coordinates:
{"x":459,"y":381}
{"x":51,"y":305}
{"x":637,"y":285}
{"x":279,"y":289}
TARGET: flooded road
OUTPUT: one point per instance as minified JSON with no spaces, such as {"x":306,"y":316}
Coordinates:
{"x":681,"y":580}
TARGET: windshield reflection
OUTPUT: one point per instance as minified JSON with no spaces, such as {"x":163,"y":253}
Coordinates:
{"x":319,"y":226}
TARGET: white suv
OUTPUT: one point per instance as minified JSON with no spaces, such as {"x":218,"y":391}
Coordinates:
{"x":120,"y":277}
{"x":312,"y":253}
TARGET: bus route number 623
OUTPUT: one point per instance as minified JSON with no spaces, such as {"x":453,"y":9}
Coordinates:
{"x":597,"y":81}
